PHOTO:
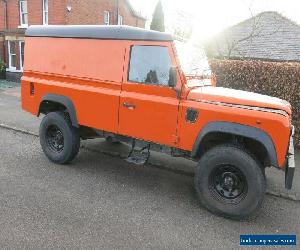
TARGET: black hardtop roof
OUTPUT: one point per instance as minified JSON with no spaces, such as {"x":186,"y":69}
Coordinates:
{"x":113,"y":32}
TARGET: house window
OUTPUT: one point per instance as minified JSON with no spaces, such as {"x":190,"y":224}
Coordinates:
{"x":120,"y":20}
{"x":150,"y":65}
{"x":106,"y":17}
{"x":23,"y":13}
{"x":45,"y":12}
{"x":21,"y":46}
{"x":11,"y":55}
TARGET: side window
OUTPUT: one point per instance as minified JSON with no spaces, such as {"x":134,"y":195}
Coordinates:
{"x":12,"y":62}
{"x":150,"y":65}
{"x":21,"y":46}
{"x":23,"y":13}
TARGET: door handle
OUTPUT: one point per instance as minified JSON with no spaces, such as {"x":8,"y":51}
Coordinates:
{"x":128,"y":105}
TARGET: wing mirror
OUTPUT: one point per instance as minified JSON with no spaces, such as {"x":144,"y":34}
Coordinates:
{"x":172,"y":77}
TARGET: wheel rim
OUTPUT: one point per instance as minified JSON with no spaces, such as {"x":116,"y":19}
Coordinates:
{"x":55,"y":138}
{"x":228,"y":184}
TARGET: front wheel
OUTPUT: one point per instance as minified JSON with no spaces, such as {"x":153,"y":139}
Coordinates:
{"x":60,"y":141}
{"x":230,"y":182}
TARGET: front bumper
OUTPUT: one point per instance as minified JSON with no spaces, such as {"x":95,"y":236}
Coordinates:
{"x":290,"y":163}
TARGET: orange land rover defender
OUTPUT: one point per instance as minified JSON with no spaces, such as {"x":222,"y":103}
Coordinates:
{"x":126,"y":84}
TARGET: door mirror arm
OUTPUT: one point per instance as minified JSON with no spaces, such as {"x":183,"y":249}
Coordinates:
{"x":173,"y":81}
{"x":172,"y":77}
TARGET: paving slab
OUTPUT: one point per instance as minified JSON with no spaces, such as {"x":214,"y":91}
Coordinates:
{"x":11,"y":115}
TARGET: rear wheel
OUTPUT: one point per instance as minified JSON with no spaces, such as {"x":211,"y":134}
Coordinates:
{"x":230,"y":182}
{"x":60,"y":141}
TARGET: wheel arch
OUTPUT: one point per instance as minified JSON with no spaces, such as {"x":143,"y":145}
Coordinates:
{"x":252,"y":134}
{"x":54,"y":102}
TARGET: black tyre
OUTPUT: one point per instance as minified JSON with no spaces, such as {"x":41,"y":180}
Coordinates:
{"x":60,"y":141}
{"x":230,"y":182}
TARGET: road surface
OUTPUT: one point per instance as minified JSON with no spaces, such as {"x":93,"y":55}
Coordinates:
{"x":102,"y":202}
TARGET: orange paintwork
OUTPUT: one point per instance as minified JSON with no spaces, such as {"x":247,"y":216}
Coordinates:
{"x":94,"y":75}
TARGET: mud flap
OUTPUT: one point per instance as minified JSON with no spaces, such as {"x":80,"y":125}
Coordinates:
{"x":290,"y":166}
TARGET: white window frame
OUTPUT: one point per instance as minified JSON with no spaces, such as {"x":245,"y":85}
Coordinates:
{"x":20,"y":51}
{"x":45,"y":12}
{"x":23,"y":24}
{"x":106,"y":17}
{"x":120,"y":20}
{"x":10,"y":67}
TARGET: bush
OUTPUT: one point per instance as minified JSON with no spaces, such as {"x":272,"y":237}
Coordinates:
{"x":279,"y":79}
{"x":2,"y":66}
{"x":2,"y":69}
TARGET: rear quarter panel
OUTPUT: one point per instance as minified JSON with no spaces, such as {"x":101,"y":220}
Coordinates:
{"x":87,"y":71}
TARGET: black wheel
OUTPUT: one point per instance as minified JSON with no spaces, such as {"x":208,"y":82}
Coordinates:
{"x":230,"y":182}
{"x":60,"y":141}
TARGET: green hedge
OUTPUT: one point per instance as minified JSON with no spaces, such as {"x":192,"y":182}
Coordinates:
{"x":2,"y":69}
{"x":279,"y":79}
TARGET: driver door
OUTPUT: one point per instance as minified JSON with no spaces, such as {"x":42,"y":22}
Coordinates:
{"x":148,"y":106}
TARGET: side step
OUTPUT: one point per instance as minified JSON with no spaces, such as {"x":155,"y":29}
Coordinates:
{"x":139,"y":156}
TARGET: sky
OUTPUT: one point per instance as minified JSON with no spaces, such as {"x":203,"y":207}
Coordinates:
{"x":211,"y":16}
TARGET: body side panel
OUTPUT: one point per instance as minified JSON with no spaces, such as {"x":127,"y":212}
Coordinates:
{"x":92,"y":103}
{"x":82,"y":58}
{"x":88,"y":72}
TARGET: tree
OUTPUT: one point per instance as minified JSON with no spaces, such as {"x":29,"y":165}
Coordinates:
{"x":158,"y":19}
{"x":182,"y":25}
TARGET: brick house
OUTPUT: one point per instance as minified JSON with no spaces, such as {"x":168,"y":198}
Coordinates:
{"x":17,"y":15}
